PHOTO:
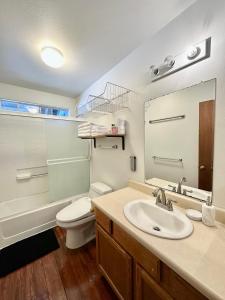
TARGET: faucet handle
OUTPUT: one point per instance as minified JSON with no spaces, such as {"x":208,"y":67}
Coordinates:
{"x":155,"y":192}
{"x":185,"y":191}
{"x":173,"y":187}
{"x":169,"y":205}
{"x":171,"y":200}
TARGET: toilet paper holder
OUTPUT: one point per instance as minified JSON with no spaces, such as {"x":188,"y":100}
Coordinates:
{"x":133,"y":163}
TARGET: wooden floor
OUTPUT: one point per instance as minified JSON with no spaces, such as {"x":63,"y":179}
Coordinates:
{"x":63,"y":274}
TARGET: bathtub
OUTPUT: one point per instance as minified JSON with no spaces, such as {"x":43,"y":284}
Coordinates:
{"x":24,"y":217}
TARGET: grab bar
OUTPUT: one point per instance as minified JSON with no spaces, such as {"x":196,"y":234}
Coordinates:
{"x":39,"y":175}
{"x":167,"y":158}
{"x":112,"y":147}
{"x":29,"y":168}
{"x":167,"y":119}
{"x":26,"y":176}
{"x":67,"y":160}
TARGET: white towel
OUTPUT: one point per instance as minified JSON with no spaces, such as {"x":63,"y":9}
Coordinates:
{"x":84,"y":135}
{"x":102,"y":131}
{"x":90,"y":125}
{"x":88,"y":129}
{"x":84,"y":131}
{"x":85,"y":124}
{"x":93,"y":128}
{"x":97,"y":134}
{"x":84,"y":128}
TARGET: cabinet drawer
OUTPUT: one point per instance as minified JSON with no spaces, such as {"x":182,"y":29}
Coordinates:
{"x":144,"y":257}
{"x":103,"y":220}
{"x":115,"y":264}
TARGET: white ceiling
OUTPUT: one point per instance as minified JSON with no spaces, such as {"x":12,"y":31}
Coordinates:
{"x":94,"y":35}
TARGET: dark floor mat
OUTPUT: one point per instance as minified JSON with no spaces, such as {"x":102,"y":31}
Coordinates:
{"x":23,"y":252}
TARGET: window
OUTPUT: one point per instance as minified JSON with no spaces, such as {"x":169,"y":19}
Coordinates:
{"x":32,"y":108}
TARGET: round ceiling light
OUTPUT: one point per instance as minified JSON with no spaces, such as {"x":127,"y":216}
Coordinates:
{"x":52,"y":57}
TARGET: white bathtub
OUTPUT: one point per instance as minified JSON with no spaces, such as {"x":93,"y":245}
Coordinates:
{"x":21,"y":218}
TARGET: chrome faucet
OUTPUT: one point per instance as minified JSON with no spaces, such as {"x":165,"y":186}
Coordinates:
{"x":183,"y":179}
{"x":161,"y":199}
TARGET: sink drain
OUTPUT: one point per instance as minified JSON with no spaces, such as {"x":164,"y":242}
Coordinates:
{"x":156,"y":228}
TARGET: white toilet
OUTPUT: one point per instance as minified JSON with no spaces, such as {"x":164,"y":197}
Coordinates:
{"x":78,"y":219}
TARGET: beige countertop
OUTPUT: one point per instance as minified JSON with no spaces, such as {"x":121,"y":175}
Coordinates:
{"x":199,"y":258}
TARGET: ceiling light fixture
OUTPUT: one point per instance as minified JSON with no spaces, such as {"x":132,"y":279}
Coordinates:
{"x":52,"y":57}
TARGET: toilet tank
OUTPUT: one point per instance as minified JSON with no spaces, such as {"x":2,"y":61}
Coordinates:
{"x":99,"y":188}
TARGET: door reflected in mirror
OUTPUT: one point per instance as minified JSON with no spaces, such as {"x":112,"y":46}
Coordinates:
{"x":179,"y":140}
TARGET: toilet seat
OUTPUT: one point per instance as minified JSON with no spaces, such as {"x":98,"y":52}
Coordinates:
{"x":78,"y":210}
{"x":76,"y":223}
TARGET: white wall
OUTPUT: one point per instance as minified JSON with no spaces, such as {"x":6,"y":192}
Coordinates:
{"x":18,"y":93}
{"x":203,"y":19}
{"x":178,"y":138}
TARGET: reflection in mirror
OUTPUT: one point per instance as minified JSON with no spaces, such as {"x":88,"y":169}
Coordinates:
{"x":179,"y":140}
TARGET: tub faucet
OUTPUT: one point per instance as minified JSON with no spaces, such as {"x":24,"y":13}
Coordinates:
{"x":179,"y":186}
{"x":161,"y":199}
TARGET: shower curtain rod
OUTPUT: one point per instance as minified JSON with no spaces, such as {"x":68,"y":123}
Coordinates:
{"x":39,"y":116}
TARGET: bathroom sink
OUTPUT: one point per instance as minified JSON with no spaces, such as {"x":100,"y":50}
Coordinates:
{"x":152,"y":219}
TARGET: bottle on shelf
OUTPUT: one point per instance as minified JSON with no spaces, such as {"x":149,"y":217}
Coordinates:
{"x":114,"y":129}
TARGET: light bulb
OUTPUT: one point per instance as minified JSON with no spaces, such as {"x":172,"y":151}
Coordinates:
{"x":52,"y":57}
{"x":193,"y":52}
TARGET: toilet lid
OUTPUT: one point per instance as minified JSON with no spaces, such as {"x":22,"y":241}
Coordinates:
{"x":77,"y":210}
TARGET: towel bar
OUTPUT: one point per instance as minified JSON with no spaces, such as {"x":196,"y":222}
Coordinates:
{"x":167,"y":119}
{"x":167,"y":158}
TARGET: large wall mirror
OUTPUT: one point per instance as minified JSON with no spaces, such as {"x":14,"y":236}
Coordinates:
{"x":179,"y":140}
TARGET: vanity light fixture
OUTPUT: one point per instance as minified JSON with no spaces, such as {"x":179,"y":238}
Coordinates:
{"x":175,"y":63}
{"x":52,"y":57}
{"x":193,"y":52}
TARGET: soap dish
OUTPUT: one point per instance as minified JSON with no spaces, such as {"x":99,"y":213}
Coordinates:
{"x":194,"y":214}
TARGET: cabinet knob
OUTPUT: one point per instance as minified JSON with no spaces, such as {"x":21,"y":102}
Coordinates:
{"x":202,"y":167}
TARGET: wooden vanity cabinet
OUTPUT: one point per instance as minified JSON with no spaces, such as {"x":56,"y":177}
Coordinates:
{"x":132,"y":270}
{"x":115,"y":264}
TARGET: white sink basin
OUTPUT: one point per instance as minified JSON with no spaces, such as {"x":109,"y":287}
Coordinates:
{"x":152,"y":219}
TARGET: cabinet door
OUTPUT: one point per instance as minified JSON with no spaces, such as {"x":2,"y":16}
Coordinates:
{"x":115,"y":264}
{"x":147,"y":288}
{"x":177,"y":286}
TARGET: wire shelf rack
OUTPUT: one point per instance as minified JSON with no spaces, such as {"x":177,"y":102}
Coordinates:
{"x":113,"y":99}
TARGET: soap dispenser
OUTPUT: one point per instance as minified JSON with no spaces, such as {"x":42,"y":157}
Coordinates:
{"x":208,"y":212}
